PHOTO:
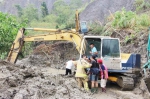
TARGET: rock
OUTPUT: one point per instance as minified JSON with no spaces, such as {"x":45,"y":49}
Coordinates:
{"x":98,"y":10}
{"x":137,"y":91}
{"x":18,"y":96}
{"x":12,"y":82}
{"x":61,"y":90}
{"x":23,"y":92}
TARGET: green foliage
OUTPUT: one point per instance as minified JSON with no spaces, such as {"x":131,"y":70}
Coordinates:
{"x":44,"y":9}
{"x":143,"y":20}
{"x":129,"y":19}
{"x":127,"y":38}
{"x":65,"y":13}
{"x":3,"y":55}
{"x":27,"y":14}
{"x":8,"y":30}
{"x":20,"y":12}
{"x":96,"y":28}
{"x":30,"y":13}
{"x":142,"y":4}
{"x":124,"y":19}
{"x":62,"y":16}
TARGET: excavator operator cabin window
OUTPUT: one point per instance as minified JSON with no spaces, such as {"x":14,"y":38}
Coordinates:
{"x":110,"y":48}
{"x":96,"y":42}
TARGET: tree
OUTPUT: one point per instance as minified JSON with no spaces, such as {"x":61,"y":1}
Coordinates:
{"x":30,"y":13}
{"x":8,"y":30}
{"x":20,"y":12}
{"x":65,"y":12}
{"x":44,"y":9}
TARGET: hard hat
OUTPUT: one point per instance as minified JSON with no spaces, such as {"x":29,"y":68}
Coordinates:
{"x":100,"y":61}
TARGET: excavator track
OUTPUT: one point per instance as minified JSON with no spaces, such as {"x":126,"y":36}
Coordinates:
{"x":126,"y":83}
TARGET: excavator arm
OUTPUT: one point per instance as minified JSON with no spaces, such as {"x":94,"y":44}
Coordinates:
{"x":53,"y":34}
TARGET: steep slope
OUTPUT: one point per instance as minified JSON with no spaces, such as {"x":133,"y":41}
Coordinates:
{"x":100,"y":9}
{"x":8,"y":6}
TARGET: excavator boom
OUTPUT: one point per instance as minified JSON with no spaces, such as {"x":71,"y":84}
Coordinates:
{"x":53,"y":34}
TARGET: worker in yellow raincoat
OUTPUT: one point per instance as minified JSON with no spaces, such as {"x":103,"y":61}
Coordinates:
{"x":81,"y":75}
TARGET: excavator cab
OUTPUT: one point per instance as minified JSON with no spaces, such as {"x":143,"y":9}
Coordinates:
{"x":108,"y":50}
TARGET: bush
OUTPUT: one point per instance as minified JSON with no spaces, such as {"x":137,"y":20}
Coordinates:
{"x":141,"y":5}
{"x":143,"y":20}
{"x":129,"y":19}
{"x":8,"y":30}
{"x":124,"y":19}
{"x":96,"y":28}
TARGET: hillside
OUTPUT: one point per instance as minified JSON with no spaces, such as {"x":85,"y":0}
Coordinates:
{"x":100,"y":9}
{"x":8,"y":6}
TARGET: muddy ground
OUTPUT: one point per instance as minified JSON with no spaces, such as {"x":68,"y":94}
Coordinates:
{"x":27,"y":81}
{"x":33,"y":82}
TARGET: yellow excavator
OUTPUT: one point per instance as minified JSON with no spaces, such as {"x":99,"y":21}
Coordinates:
{"x":123,"y":68}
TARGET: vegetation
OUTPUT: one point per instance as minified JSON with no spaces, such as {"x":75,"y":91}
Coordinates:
{"x":129,"y":19}
{"x":122,"y":20}
{"x":61,"y":17}
{"x":97,"y":28}
{"x":142,"y":4}
{"x":27,"y":14}
{"x":44,"y":9}
{"x":8,"y":30}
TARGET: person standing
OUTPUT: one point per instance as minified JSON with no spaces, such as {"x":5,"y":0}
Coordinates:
{"x":93,"y":51}
{"x":94,"y":74}
{"x":81,"y":75}
{"x":69,"y":66}
{"x":104,"y":74}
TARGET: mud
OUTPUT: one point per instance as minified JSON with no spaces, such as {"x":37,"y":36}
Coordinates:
{"x":32,"y":82}
{"x":53,"y":55}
